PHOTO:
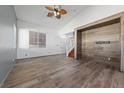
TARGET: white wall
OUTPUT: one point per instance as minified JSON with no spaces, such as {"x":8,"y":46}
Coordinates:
{"x":91,"y":14}
{"x":7,"y":40}
{"x":54,"y":44}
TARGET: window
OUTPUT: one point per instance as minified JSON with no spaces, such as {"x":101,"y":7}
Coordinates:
{"x":37,"y":39}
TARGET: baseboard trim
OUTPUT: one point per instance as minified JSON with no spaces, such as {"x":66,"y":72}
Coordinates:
{"x":40,"y":56}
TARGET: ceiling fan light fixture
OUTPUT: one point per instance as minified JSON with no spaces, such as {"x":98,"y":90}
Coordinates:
{"x":55,"y":14}
{"x":56,"y":11}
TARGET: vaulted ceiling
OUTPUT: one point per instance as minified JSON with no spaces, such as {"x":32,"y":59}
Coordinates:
{"x":37,"y":14}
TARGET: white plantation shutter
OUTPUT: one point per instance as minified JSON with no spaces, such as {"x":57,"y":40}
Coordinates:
{"x":37,"y":39}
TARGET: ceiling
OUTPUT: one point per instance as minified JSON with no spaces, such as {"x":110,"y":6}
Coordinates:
{"x":37,"y":14}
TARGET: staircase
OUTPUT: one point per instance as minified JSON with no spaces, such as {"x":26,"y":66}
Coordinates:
{"x":70,"y":45}
{"x":71,"y":54}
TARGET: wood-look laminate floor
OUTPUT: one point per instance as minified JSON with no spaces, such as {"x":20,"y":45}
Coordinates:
{"x":59,"y":71}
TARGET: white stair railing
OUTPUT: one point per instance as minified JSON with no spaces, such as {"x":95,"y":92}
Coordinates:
{"x":69,"y":47}
{"x":69,"y":42}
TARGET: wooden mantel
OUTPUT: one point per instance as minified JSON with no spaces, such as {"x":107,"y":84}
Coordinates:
{"x":103,"y":22}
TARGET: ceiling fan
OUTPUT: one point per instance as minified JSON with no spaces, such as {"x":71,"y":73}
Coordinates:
{"x":55,"y":11}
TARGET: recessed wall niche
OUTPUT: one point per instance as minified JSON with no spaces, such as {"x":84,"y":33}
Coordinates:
{"x":102,"y":41}
{"x":102,"y":44}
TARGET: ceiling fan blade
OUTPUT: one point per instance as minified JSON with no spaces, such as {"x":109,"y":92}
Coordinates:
{"x":50,"y":14}
{"x":49,"y":8}
{"x":62,"y":12}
